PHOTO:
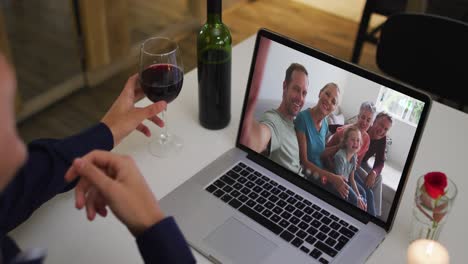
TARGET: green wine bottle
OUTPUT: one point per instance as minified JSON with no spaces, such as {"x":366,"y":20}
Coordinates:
{"x":214,"y":46}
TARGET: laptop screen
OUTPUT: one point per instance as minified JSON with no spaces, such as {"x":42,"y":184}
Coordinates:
{"x":344,"y":129}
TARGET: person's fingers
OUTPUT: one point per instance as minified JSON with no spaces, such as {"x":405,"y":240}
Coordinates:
{"x":152,"y":110}
{"x":105,"y":160}
{"x":130,"y":85}
{"x":344,"y":184}
{"x":344,"y":194}
{"x":93,"y":174}
{"x":144,"y":130}
{"x":95,"y":204}
{"x":80,"y":193}
{"x":100,"y":205}
{"x":156,"y":120}
{"x":102,"y":211}
{"x":71,"y":174}
{"x":368,"y":182}
{"x":344,"y":191}
{"x":138,"y":90}
{"x":90,"y":204}
{"x":139,"y":93}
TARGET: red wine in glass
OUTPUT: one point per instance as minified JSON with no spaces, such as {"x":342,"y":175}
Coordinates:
{"x":161,"y":76}
{"x":162,"y":82}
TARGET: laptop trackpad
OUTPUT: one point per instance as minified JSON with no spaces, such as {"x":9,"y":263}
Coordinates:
{"x":239,"y":243}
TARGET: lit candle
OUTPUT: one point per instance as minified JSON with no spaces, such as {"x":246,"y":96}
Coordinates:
{"x":423,"y":251}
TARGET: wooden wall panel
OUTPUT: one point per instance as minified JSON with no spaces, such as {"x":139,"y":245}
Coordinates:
{"x":105,"y":29}
{"x":118,"y":31}
{"x":5,"y":50}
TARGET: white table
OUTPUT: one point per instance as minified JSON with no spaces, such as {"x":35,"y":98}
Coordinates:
{"x":70,"y":238}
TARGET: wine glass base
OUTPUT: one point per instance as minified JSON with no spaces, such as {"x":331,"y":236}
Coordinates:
{"x":165,"y":147}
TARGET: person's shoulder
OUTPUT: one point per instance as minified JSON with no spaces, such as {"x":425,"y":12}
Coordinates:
{"x":382,"y":140}
{"x":303,"y":114}
{"x":301,"y":119}
{"x":341,"y":153}
{"x":340,"y":157}
{"x":271,"y":115}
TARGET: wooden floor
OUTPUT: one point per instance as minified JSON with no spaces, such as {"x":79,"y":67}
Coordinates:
{"x":332,"y":34}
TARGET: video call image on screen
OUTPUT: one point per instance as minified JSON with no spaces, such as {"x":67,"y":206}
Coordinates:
{"x":365,"y":133}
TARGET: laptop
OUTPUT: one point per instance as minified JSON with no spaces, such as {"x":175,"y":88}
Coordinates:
{"x":246,"y":208}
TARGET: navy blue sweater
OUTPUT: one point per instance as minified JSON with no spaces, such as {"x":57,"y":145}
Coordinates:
{"x":42,"y":177}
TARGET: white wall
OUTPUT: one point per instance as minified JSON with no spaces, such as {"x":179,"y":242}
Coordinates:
{"x":402,"y":135}
{"x":357,"y":90}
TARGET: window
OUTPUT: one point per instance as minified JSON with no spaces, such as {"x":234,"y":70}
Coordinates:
{"x":399,"y":105}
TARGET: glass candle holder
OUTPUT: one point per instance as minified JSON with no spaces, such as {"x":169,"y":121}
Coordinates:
{"x":430,"y":212}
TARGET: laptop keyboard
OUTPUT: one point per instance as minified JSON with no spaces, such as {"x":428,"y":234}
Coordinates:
{"x":305,"y":225}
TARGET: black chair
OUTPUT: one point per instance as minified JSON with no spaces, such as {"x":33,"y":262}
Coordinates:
{"x":381,"y":7}
{"x":457,"y":9}
{"x":429,"y":52}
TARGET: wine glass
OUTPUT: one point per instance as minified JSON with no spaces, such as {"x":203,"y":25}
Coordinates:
{"x":161,"y":77}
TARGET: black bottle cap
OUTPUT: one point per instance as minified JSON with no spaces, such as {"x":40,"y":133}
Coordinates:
{"x":214,"y":6}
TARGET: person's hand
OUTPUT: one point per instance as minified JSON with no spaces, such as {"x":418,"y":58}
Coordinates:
{"x":362,"y":204}
{"x":370,"y":180}
{"x":339,"y":182}
{"x":123,"y":117}
{"x":249,"y":121}
{"x":108,"y":179}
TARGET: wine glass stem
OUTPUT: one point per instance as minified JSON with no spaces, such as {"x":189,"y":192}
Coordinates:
{"x":164,"y":135}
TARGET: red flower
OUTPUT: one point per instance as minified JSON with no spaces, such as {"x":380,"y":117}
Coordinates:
{"x":435,"y":183}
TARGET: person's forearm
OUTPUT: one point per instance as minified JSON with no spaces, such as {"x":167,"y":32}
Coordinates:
{"x":329,"y":152}
{"x":355,"y":188}
{"x":42,"y":176}
{"x":378,"y":167}
{"x":334,"y":141}
{"x":164,"y":243}
{"x":256,"y":139}
{"x":379,"y":159}
{"x":315,"y":170}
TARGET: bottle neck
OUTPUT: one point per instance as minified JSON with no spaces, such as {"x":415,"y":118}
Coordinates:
{"x":213,"y":11}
